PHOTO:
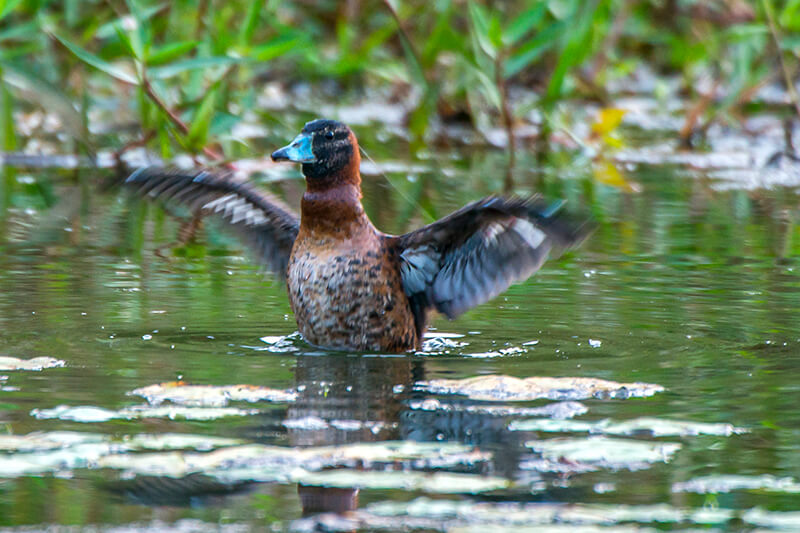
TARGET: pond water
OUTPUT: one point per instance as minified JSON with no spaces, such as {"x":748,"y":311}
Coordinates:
{"x":691,"y":283}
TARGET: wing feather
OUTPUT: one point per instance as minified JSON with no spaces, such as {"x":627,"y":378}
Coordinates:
{"x":265,"y":223}
{"x":475,"y":253}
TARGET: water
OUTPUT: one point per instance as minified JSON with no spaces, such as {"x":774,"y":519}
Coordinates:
{"x":690,"y":284}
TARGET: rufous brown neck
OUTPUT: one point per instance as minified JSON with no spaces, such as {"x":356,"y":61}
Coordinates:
{"x":331,"y":205}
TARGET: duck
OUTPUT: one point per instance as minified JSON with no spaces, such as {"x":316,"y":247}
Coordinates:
{"x":352,"y":287}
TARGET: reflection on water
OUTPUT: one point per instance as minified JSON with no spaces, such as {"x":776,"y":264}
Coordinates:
{"x":686,"y":284}
{"x":344,"y":399}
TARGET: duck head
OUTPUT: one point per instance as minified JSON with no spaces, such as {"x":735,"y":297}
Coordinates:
{"x":328,"y":151}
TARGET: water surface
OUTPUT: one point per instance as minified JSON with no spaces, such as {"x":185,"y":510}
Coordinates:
{"x":690,"y":283}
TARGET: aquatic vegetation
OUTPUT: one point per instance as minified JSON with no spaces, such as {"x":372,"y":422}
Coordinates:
{"x":234,"y":461}
{"x":432,"y":483}
{"x":35,"y":363}
{"x":603,"y":452}
{"x":554,"y":411}
{"x":731,"y":482}
{"x":646,"y":425}
{"x":509,"y":388}
{"x":180,"y":393}
{"x":93,"y":414}
{"x":428,"y":514}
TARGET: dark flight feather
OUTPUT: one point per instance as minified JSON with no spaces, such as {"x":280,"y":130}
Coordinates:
{"x":264,"y":222}
{"x":475,"y":253}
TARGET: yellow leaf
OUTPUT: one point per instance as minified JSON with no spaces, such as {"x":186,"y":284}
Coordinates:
{"x":607,"y":121}
{"x":607,"y":173}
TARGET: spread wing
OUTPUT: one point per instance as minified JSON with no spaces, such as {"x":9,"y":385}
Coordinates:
{"x":475,"y":253}
{"x":265,"y":223}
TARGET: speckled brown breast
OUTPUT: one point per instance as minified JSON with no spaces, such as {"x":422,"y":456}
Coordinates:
{"x":347,"y":293}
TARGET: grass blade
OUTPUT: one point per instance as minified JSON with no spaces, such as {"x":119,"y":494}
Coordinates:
{"x":98,"y":63}
{"x":169,"y":52}
{"x":197,"y":63}
{"x":201,"y":122}
{"x":7,"y":6}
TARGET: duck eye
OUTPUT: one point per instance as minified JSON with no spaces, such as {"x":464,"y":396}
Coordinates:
{"x":329,"y":135}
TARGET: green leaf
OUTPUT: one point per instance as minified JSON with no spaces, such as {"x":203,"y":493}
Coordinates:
{"x":140,"y":36}
{"x":524,"y":23}
{"x":375,"y":39}
{"x":419,"y":119}
{"x":250,"y":22}
{"x":222,"y":123}
{"x":13,"y":52}
{"x":136,"y":45}
{"x":169,"y":52}
{"x":107,"y":30}
{"x":125,"y":39}
{"x":197,"y":63}
{"x":436,"y":42}
{"x":789,"y":17}
{"x":745,"y":32}
{"x":478,"y":17}
{"x":790,"y":42}
{"x":8,"y":140}
{"x":479,"y":20}
{"x":533,"y":49}
{"x":274,"y":48}
{"x":576,"y":48}
{"x":71,"y":10}
{"x":100,"y":64}
{"x":345,"y":35}
{"x":486,"y":85}
{"x":26,"y":31}
{"x":7,"y":6}
{"x":495,"y":32}
{"x":201,"y":122}
{"x":415,"y":69}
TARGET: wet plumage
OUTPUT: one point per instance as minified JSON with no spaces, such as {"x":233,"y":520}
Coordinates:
{"x":351,"y":286}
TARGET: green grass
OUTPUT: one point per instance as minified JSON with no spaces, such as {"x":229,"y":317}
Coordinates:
{"x":185,"y":70}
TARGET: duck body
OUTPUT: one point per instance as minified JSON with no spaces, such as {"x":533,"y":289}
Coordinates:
{"x":350,"y":286}
{"x":345,"y":286}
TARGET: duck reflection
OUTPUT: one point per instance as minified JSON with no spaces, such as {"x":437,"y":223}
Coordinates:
{"x":346,"y":399}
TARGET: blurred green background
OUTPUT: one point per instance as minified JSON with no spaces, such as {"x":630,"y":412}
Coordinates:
{"x":178,"y":76}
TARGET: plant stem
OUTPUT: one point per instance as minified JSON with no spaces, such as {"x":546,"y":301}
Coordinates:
{"x":787,"y":78}
{"x":610,"y":41}
{"x":508,"y":120}
{"x":174,"y":118}
{"x":694,"y":114}
{"x":406,"y":38}
{"x":146,"y":138}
